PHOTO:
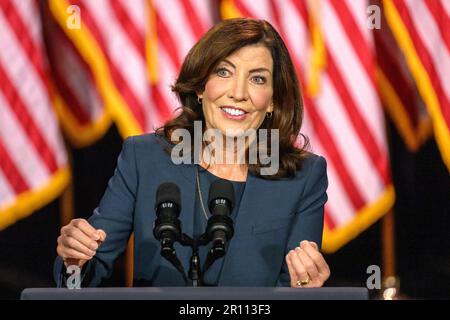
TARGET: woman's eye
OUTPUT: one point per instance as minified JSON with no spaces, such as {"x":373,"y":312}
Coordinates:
{"x":222,"y":72}
{"x":259,"y":79}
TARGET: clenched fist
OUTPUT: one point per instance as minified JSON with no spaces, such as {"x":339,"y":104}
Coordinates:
{"x":307,"y":267}
{"x":79,"y":242}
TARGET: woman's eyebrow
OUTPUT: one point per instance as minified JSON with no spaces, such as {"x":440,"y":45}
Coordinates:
{"x":229,"y":62}
{"x":262,"y":69}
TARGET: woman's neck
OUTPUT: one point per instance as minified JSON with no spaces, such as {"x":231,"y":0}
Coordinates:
{"x":225,"y":161}
{"x":233,"y":172}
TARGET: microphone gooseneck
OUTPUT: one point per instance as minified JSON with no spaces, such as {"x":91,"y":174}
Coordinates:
{"x":220,"y":225}
{"x":167,"y":226}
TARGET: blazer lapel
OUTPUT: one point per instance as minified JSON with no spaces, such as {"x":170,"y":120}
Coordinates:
{"x":185,"y":179}
{"x":241,"y":225}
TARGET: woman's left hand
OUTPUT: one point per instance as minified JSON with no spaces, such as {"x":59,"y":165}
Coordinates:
{"x":307,"y":267}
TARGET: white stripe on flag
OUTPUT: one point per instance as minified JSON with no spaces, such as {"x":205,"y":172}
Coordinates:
{"x":17,"y":144}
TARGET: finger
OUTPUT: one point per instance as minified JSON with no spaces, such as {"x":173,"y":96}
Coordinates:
{"x":308,"y":263}
{"x":292,"y":274}
{"x":316,"y":256}
{"x":89,"y":230}
{"x":102,"y":235}
{"x":79,"y":235}
{"x":311,"y":243}
{"x":300,"y":270}
{"x":68,"y":253}
{"x":76,"y":245}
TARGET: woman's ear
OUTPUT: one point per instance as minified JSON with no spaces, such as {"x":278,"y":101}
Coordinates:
{"x":270,"y":108}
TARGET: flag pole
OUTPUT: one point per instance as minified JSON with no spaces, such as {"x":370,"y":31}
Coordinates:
{"x":388,"y":245}
{"x":129,"y":262}
{"x":391,"y":282}
{"x":66,"y":204}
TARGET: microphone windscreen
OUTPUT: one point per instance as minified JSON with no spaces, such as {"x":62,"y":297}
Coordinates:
{"x":222,"y":189}
{"x":168,"y":192}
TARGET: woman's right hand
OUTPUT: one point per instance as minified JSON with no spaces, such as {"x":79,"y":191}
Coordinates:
{"x":78,"y":242}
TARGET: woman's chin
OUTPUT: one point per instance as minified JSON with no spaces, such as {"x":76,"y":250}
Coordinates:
{"x":235,"y":132}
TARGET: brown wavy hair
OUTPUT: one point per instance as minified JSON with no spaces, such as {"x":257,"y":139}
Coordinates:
{"x":217,"y":44}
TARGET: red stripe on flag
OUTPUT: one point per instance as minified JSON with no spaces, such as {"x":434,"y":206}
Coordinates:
{"x":390,"y":65}
{"x":135,"y":107}
{"x":139,"y":43}
{"x":197,"y":27}
{"x":19,"y":109}
{"x":121,"y":84}
{"x":57,"y":38}
{"x":379,"y":160}
{"x":33,"y":51}
{"x":135,"y":36}
{"x":442,"y":20}
{"x":302,"y":10}
{"x":11,"y":172}
{"x":353,"y":33}
{"x":426,"y":60}
{"x":72,"y":102}
{"x":164,"y":111}
{"x":167,"y":41}
{"x":242,"y":8}
{"x":327,"y":140}
{"x":328,"y":219}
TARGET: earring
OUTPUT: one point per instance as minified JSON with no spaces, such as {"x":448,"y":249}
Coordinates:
{"x":269,"y":114}
{"x":199,"y":100}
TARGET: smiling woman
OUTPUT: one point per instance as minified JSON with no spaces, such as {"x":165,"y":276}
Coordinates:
{"x":237,"y":78}
{"x":240,"y":76}
{"x":239,"y":93}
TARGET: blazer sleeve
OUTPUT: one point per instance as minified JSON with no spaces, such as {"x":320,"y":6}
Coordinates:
{"x":309,"y":220}
{"x":115,"y":216}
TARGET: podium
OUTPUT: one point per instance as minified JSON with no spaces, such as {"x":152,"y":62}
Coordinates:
{"x":197,"y":293}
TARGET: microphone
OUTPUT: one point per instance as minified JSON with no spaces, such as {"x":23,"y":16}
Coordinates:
{"x":220,"y":226}
{"x":167,"y":226}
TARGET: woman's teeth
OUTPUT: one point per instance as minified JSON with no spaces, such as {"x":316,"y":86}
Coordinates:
{"x":233,"y":112}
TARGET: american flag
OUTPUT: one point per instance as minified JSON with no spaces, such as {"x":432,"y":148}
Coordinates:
{"x":398,"y":90}
{"x":80,"y":108}
{"x":421,"y":29}
{"x":131,"y":51}
{"x":33,"y":162}
{"x":334,"y":53}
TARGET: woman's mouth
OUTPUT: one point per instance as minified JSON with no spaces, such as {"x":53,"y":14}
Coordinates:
{"x":234,"y":113}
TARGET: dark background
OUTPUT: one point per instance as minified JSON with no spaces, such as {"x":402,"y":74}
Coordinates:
{"x":422,"y":226}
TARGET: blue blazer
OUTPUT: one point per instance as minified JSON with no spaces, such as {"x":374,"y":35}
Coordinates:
{"x":274,"y":216}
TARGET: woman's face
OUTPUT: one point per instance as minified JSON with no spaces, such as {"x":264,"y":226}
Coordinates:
{"x":239,"y":92}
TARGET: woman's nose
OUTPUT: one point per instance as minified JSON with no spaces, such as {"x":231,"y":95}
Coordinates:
{"x":239,"y":90}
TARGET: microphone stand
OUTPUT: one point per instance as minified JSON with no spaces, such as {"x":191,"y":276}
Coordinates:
{"x":195,"y":274}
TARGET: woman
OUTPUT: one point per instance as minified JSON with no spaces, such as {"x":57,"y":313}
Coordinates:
{"x":237,"y":78}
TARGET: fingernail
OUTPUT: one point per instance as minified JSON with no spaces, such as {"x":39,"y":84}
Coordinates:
{"x":304,"y":242}
{"x":96,"y":236}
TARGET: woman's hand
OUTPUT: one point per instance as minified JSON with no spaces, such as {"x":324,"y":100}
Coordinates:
{"x":79,"y":242}
{"x":307,"y":267}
